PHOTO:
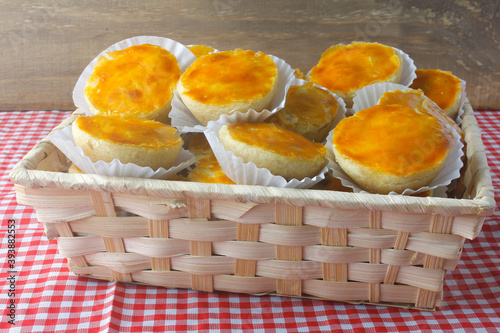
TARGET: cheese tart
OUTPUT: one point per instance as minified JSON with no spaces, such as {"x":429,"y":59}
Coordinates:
{"x":200,"y":50}
{"x":144,"y":142}
{"x":206,"y":168}
{"x":135,"y":82}
{"x":416,"y":99}
{"x":309,"y":111}
{"x":392,"y":148}
{"x":442,"y":87}
{"x":229,"y":81}
{"x":344,"y":69}
{"x":281,"y":151}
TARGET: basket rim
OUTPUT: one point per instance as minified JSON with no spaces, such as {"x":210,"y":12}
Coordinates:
{"x":25,"y":174}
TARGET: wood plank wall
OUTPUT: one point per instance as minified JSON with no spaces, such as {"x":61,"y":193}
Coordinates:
{"x":44,"y":45}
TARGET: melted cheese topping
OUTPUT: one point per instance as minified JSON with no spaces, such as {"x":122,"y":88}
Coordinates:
{"x":200,"y":50}
{"x":222,"y":78}
{"x":416,"y":99}
{"x":135,"y":80}
{"x":275,"y":139}
{"x":441,"y":87}
{"x":394,"y":139}
{"x":208,"y":170}
{"x":308,"y":104}
{"x":343,"y":68}
{"x":129,"y":131}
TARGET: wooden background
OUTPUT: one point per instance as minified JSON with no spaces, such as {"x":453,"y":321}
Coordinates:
{"x":44,"y":45}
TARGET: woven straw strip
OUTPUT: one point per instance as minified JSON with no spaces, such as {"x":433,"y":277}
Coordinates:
{"x":244,"y":212}
{"x":64,"y":230}
{"x":289,"y":235}
{"x":112,"y":226}
{"x":245,"y":233}
{"x":440,"y":225}
{"x":375,"y":256}
{"x":120,"y":263}
{"x":355,"y":291}
{"x":80,"y":246}
{"x":152,"y":208}
{"x":399,"y":245}
{"x":334,"y":238}
{"x":52,"y":204}
{"x":167,"y":279}
{"x":291,"y":284}
{"x":244,"y":251}
{"x":158,"y":229}
{"x":104,"y":206}
{"x":157,"y":247}
{"x":201,"y":229}
{"x":93,"y":271}
{"x":199,"y":208}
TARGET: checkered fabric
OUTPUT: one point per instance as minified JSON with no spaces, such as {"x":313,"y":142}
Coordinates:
{"x":49,"y":298}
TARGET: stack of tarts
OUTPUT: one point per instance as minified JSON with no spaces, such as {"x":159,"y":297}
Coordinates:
{"x":363,"y":119}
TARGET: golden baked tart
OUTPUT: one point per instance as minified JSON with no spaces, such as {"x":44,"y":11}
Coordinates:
{"x":392,"y":148}
{"x":416,"y":99}
{"x":229,"y":81}
{"x":200,"y":50}
{"x":344,"y":69}
{"x":281,"y":151}
{"x":309,"y":111}
{"x":144,"y":142}
{"x":206,"y":169}
{"x":136,"y":82}
{"x":442,"y":87}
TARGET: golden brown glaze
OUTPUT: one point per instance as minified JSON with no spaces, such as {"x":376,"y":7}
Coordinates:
{"x":440,"y":86}
{"x":208,"y":170}
{"x":308,"y":111}
{"x":135,"y":80}
{"x":129,"y":131}
{"x":200,"y":50}
{"x":343,"y":68}
{"x":394,"y":139}
{"x":224,"y":77}
{"x":275,"y":139}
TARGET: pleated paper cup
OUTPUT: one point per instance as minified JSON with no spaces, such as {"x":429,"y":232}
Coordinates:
{"x":183,"y":55}
{"x":248,"y":173}
{"x":408,"y":73}
{"x":185,"y":121}
{"x":341,"y":110}
{"x":368,"y":97}
{"x":64,"y":141}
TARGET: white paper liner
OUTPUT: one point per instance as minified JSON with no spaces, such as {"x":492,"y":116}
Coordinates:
{"x":408,"y":74}
{"x":183,"y":55}
{"x":462,"y":102}
{"x":64,"y":141}
{"x":248,"y":173}
{"x":368,"y":97}
{"x":185,"y":121}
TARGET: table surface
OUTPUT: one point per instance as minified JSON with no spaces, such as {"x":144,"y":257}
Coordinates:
{"x":41,"y":295}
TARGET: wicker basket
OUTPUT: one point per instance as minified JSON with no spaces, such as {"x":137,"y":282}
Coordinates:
{"x":356,"y":248}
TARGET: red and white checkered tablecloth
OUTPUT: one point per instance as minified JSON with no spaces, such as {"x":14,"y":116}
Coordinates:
{"x":49,"y":298}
